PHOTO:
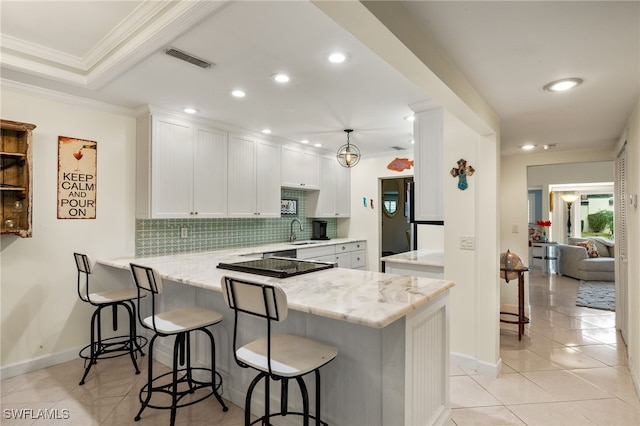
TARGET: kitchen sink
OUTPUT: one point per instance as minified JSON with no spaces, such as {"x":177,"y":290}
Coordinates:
{"x":305,"y":243}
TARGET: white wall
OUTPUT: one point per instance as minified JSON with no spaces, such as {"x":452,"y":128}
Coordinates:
{"x":41,"y":313}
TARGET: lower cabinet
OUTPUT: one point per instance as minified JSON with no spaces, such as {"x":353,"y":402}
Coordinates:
{"x":347,"y":255}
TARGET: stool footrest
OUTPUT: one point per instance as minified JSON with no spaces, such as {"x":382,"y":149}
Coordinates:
{"x":113,"y":347}
{"x":190,"y":385}
{"x":289,"y":413}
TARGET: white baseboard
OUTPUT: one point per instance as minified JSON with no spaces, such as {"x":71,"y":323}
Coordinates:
{"x":468,"y":363}
{"x":38,"y":363}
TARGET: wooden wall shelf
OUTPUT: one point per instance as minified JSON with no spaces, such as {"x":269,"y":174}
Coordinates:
{"x":15,"y":178}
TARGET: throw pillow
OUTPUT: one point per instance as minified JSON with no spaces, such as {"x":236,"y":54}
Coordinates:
{"x":590,"y":246}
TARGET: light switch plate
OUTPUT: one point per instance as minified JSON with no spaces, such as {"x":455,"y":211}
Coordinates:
{"x":467,"y":242}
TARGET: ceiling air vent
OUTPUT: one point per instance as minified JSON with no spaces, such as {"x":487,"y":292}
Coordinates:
{"x":171,"y":51}
{"x":398,"y":148}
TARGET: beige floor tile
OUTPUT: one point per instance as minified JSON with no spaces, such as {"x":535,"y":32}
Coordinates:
{"x":607,"y":354}
{"x":606,"y":321}
{"x":466,"y":392}
{"x":572,"y":337}
{"x":565,"y":386}
{"x":606,"y":412}
{"x":567,"y":358}
{"x":490,"y":416}
{"x":616,"y":382}
{"x":551,"y":414}
{"x":602,"y":335}
{"x":526,"y":360}
{"x":456,"y":371}
{"x":506,"y":369}
{"x":514,"y":389}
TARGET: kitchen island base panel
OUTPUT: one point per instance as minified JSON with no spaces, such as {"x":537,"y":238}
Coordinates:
{"x":367,"y":384}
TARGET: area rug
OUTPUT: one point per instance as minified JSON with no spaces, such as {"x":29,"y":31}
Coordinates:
{"x":597,"y":295}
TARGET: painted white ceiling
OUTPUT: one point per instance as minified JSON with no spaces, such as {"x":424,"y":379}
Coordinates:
{"x":113,"y":51}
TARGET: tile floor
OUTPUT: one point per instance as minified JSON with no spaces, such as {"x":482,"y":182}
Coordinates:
{"x":569,"y":369}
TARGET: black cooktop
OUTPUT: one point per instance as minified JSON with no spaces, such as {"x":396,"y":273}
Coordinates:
{"x":278,"y":267}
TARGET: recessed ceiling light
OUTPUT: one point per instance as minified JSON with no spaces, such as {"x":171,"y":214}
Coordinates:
{"x":238,"y":93}
{"x":412,"y":141}
{"x":317,"y":145}
{"x":528,"y":147}
{"x":410,"y":118}
{"x":266,"y":131}
{"x":305,"y":141}
{"x":280,"y":78}
{"x":338,"y":57}
{"x":190,"y":110}
{"x":562,"y":85}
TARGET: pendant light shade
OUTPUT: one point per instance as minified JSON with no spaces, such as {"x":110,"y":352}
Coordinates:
{"x":348,"y":155}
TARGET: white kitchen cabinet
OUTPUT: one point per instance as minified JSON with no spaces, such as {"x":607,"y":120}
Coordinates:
{"x":300,"y":169}
{"x":347,"y":255}
{"x":428,"y":132}
{"x":253,"y":178}
{"x":181,"y":169}
{"x":334,"y":197}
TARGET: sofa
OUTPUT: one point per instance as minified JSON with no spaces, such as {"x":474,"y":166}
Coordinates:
{"x":587,"y":259}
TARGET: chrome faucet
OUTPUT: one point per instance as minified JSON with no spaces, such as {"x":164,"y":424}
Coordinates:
{"x":292,"y":235}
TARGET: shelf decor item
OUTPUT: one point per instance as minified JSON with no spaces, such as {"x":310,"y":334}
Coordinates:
{"x":510,"y":265}
{"x":77,"y":159}
{"x":544,"y":225}
{"x":461,"y":172}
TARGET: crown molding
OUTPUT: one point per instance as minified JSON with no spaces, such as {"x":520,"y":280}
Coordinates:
{"x":53,"y":95}
{"x":149,"y":27}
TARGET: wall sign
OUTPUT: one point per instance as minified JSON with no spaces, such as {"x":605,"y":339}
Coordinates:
{"x":77,"y":159}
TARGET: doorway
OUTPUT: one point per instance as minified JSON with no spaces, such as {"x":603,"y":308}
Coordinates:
{"x":396,"y":229}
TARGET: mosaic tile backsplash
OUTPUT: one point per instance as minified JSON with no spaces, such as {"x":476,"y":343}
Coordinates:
{"x":162,"y":236}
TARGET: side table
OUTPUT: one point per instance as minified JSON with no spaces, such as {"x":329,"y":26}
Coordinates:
{"x":522,"y":319}
{"x":548,"y":253}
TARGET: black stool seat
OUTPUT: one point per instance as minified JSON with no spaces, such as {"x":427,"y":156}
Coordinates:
{"x":180,"y":382}
{"x":111,"y":347}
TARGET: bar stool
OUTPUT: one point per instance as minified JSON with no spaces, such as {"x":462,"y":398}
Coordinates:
{"x":111,"y":347}
{"x":279,"y":357}
{"x":179,"y":323}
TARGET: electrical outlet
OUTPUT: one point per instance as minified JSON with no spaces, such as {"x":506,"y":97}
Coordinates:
{"x":467,"y":242}
{"x":184,"y":233}
{"x":514,"y":229}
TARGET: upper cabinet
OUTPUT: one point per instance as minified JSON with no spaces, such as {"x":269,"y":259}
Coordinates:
{"x":181,"y":169}
{"x":333,"y":199}
{"x":15,"y":178}
{"x":253,"y":178}
{"x":428,"y":132}
{"x":300,"y":169}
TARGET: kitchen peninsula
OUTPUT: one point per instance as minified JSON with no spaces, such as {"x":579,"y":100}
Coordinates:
{"x":391,"y":332}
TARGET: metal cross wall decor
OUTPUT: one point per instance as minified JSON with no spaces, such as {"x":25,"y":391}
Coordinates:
{"x":461,"y":172}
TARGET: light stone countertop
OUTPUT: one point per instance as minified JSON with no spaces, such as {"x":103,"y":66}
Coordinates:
{"x":368,"y":298}
{"x":418,"y":257}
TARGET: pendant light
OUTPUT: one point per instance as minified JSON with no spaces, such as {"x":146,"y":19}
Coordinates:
{"x":348,"y":155}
